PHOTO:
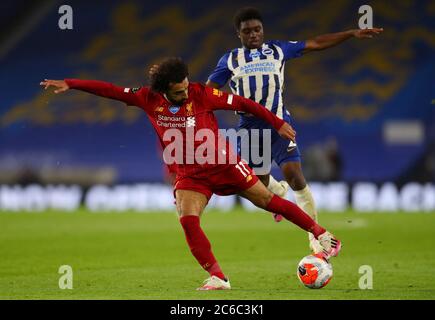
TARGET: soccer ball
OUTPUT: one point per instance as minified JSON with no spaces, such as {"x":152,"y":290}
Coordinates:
{"x":314,"y":272}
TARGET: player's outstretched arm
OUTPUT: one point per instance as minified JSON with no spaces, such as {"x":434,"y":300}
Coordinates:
{"x":219,"y":100}
{"x":284,"y":129}
{"x":60,"y":85}
{"x":332,"y":39}
{"x":99,"y":88}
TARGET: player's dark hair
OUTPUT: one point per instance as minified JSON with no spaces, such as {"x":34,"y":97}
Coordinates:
{"x":245,"y":14}
{"x":170,"y":70}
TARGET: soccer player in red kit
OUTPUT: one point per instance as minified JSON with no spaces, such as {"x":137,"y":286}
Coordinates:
{"x":173,"y":103}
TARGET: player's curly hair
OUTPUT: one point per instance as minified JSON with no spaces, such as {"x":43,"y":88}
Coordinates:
{"x":170,"y":70}
{"x":245,"y":14}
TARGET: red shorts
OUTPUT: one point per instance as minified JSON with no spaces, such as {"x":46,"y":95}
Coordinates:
{"x":233,"y":179}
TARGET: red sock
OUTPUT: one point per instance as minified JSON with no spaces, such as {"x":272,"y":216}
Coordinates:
{"x":293,"y":213}
{"x":200,"y":246}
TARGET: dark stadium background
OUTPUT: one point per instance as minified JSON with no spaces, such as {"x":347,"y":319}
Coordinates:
{"x":364,"y":110}
{"x":82,"y":184}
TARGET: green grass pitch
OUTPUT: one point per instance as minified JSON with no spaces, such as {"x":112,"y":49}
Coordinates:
{"x":144,"y":256}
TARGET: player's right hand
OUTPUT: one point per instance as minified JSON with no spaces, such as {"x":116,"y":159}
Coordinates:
{"x":287,"y":132}
{"x":61,"y":85}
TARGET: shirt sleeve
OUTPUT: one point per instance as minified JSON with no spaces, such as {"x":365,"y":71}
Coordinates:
{"x":221,"y":74}
{"x":130,"y":96}
{"x":219,"y":100}
{"x":291,"y":49}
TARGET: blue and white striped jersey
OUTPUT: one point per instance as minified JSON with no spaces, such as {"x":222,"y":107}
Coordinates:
{"x":258,"y":74}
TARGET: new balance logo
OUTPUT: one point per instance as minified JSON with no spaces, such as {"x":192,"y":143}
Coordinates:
{"x":190,"y":122}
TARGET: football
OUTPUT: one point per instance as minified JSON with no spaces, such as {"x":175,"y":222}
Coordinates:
{"x":314,"y":272}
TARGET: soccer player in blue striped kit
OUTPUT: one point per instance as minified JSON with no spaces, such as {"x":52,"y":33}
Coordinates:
{"x":256,"y":71}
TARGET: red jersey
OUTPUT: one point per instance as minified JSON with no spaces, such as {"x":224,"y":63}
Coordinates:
{"x":194,"y":114}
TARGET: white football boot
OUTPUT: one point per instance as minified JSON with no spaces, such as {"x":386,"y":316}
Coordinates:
{"x":315,"y":245}
{"x":331,"y":245}
{"x":215,"y":283}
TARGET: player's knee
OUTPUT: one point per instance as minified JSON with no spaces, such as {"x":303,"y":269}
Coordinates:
{"x":188,"y":205}
{"x":294,"y":175}
{"x":296,"y":181}
{"x":187,"y":209}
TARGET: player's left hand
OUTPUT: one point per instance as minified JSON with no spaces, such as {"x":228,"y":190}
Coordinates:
{"x":367,"y":33}
{"x":287,"y":132}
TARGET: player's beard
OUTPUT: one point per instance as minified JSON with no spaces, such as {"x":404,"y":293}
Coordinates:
{"x":178,"y":103}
